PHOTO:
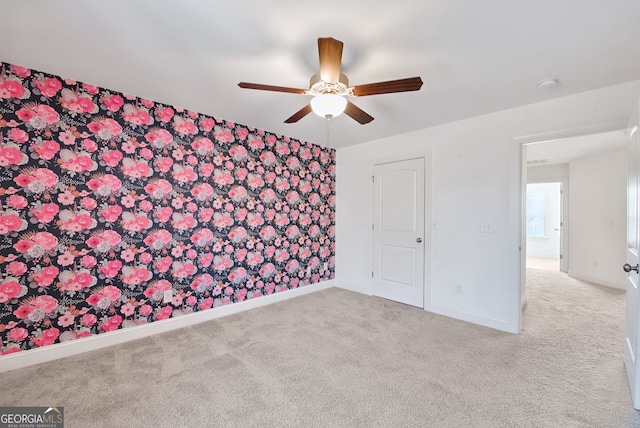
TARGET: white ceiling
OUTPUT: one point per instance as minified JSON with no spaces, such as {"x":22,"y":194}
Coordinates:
{"x":474,"y":57}
{"x":563,"y":150}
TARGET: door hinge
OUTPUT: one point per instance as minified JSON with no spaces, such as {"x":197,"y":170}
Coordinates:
{"x":373,"y":178}
{"x":371,"y":274}
{"x":372,"y":227}
{"x":560,"y":256}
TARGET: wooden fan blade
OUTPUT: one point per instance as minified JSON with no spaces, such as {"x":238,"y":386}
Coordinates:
{"x":357,"y":113}
{"x":271,"y":88}
{"x":401,"y":85}
{"x":330,"y":52}
{"x":299,"y":114}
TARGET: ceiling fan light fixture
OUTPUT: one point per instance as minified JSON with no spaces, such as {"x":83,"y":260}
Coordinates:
{"x":328,"y":105}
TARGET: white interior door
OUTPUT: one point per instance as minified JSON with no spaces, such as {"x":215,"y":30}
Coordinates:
{"x":399,"y":231}
{"x":631,"y":267}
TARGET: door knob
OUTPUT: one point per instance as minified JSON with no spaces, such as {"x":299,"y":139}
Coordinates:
{"x":418,"y":240}
{"x":628,"y":268}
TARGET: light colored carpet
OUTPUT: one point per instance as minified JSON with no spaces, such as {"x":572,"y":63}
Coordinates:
{"x":341,"y":359}
{"x":544,"y":263}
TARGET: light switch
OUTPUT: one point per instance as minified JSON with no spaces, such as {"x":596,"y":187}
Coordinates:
{"x":486,"y":227}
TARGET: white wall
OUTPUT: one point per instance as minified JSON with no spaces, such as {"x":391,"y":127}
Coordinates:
{"x":547,"y":172}
{"x":597,"y":214}
{"x":472,"y":167}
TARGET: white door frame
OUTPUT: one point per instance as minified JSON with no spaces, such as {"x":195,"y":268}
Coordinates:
{"x":426,"y":156}
{"x":517,"y":180}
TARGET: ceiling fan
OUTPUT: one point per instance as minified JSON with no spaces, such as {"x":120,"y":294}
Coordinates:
{"x":329,"y":87}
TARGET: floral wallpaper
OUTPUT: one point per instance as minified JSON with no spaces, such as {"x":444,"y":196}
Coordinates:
{"x":109,"y":200}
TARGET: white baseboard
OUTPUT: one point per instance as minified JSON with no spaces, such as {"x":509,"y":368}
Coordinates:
{"x":65,"y":349}
{"x":484,"y":321}
{"x":598,"y":281}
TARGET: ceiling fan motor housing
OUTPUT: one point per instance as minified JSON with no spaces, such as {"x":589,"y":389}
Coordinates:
{"x":318,"y":86}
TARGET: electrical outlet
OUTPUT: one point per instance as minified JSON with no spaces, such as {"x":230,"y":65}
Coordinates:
{"x":168,"y":296}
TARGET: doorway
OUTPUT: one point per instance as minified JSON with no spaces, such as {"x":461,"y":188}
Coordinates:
{"x":547,"y":224}
{"x":593,"y":206}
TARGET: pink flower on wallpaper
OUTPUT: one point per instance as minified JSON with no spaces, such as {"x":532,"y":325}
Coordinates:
{"x":66,"y":320}
{"x":184,"y":126}
{"x":202,"y":146}
{"x":77,"y":102}
{"x":268,"y":158}
{"x":267,"y":270}
{"x":38,"y":116}
{"x":88,"y":319}
{"x":111,"y":269}
{"x":159,"y":138}
{"x":127,"y":309}
{"x":164,"y":313}
{"x":182,"y":269}
{"x":47,"y":150}
{"x":45,"y":276}
{"x":16,"y":268}
{"x":76,"y":221}
{"x":36,"y":180}
{"x":104,"y":240}
{"x":111,"y":213}
{"x":76,"y":280}
{"x":133,"y":222}
{"x":113,"y":323}
{"x":136,"y":169}
{"x":202,"y":237}
{"x":112,"y":102}
{"x":222,"y":263}
{"x":17,"y":334}
{"x":202,"y":283}
{"x":254,"y":220}
{"x":223,"y":135}
{"x":254,"y":258}
{"x":163,"y":214}
{"x":18,"y":135}
{"x":183,"y":221}
{"x":10,"y":221}
{"x":164,"y":264}
{"x":184,"y":174}
{"x":10,"y":154}
{"x":158,"y":189}
{"x":48,"y":337}
{"x":12,"y":89}
{"x":222,"y":178}
{"x":11,"y":289}
{"x":255,"y":181}
{"x":105,"y":128}
{"x":165,"y":114}
{"x":136,"y":115}
{"x":20,"y":71}
{"x":158,"y":239}
{"x":111,"y":158}
{"x":134,"y":276}
{"x":222,"y":220}
{"x":207,"y":124}
{"x":202,"y":191}
{"x":36,"y":244}
{"x":292,"y":266}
